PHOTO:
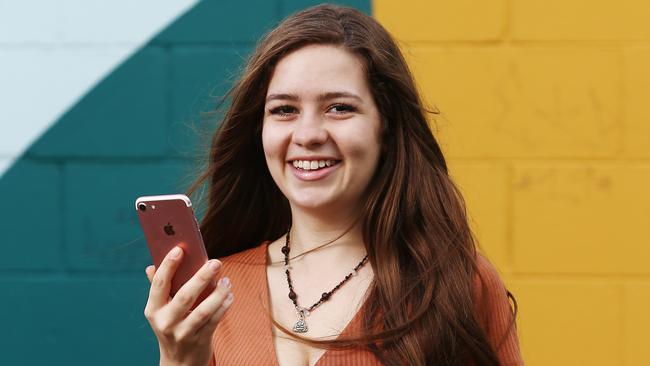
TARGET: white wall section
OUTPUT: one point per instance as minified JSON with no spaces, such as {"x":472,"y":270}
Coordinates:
{"x":53,"y":53}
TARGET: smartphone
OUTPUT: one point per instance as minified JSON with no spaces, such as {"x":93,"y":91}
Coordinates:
{"x":168,"y":221}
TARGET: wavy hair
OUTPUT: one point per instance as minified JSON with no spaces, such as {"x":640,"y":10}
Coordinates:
{"x":421,"y":306}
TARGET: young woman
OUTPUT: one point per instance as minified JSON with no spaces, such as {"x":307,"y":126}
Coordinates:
{"x":342,"y":238}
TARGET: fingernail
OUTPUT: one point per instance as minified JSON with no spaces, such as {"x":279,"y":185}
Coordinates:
{"x":148,"y":268}
{"x":224,"y":282}
{"x":215,"y":265}
{"x":228,"y":300}
{"x":176,"y":252}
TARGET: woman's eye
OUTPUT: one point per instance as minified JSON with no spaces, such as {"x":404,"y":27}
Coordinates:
{"x":342,"y":108}
{"x":283,"y":111}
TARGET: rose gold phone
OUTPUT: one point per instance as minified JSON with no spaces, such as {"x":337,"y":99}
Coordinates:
{"x":168,"y":221}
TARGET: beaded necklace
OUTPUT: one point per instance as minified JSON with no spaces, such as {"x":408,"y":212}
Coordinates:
{"x":301,"y":324}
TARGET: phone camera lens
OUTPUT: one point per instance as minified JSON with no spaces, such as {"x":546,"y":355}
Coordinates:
{"x":142,"y":207}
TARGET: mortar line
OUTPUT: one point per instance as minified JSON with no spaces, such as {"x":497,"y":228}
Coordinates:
{"x":564,"y":276}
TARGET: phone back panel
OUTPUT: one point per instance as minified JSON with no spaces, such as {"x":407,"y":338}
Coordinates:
{"x":169,"y":221}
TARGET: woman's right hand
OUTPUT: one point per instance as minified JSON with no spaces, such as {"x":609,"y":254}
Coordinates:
{"x":184,"y":337}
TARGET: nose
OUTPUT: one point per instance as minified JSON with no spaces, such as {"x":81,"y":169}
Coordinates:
{"x":309,"y":131}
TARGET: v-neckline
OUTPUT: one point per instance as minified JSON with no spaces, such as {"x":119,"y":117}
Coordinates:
{"x":268,"y":326}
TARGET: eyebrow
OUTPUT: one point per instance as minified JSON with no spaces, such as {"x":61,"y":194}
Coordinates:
{"x":320,"y":98}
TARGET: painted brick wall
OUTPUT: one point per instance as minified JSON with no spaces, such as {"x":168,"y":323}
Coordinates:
{"x":545,"y":115}
{"x":72,"y":283}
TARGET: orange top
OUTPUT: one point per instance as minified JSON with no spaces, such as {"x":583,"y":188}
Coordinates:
{"x":244,"y":335}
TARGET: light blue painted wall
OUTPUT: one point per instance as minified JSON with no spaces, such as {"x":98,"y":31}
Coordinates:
{"x":53,"y":53}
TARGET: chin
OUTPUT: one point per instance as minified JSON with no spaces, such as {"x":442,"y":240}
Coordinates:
{"x":312,"y":201}
{"x":311,"y":204}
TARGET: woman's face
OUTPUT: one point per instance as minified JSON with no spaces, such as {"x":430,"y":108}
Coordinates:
{"x":321,"y":128}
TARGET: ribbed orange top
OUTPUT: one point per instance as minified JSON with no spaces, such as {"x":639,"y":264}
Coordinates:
{"x":244,"y":335}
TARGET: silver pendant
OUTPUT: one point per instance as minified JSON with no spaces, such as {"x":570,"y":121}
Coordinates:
{"x":300,"y":326}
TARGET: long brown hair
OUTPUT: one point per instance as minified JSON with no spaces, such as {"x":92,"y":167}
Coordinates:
{"x":421,"y":306}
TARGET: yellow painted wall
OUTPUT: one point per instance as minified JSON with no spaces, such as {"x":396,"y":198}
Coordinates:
{"x":546,"y":122}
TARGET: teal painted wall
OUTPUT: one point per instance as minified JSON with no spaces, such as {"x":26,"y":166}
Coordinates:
{"x":72,"y":270}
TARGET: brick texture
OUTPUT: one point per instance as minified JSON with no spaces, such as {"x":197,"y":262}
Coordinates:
{"x":127,"y":107}
{"x":569,"y":322}
{"x":580,"y":20}
{"x":32,"y":232}
{"x":72,"y":274}
{"x":581,"y":218}
{"x":461,"y":20}
{"x":637,"y":108}
{"x":637,"y":323}
{"x":201,"y":77}
{"x":96,"y":320}
{"x":102,"y":232}
{"x":290,"y":6}
{"x":484,"y":187}
{"x":224,"y":21}
{"x":522,"y":102}
{"x":544,"y":117}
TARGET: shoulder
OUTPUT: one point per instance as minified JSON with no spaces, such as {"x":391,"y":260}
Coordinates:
{"x":495,"y":312}
{"x":490,"y":293}
{"x":487,"y":281}
{"x":247,"y":263}
{"x":252,"y":256}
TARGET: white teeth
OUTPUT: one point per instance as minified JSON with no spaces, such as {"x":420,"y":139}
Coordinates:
{"x":312,"y":164}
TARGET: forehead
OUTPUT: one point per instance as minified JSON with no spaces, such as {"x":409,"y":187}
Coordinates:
{"x":315,"y":69}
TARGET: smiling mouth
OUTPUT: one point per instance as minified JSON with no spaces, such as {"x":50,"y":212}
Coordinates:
{"x":313,"y":164}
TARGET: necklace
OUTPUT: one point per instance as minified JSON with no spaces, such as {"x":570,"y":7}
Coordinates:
{"x":301,"y":324}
